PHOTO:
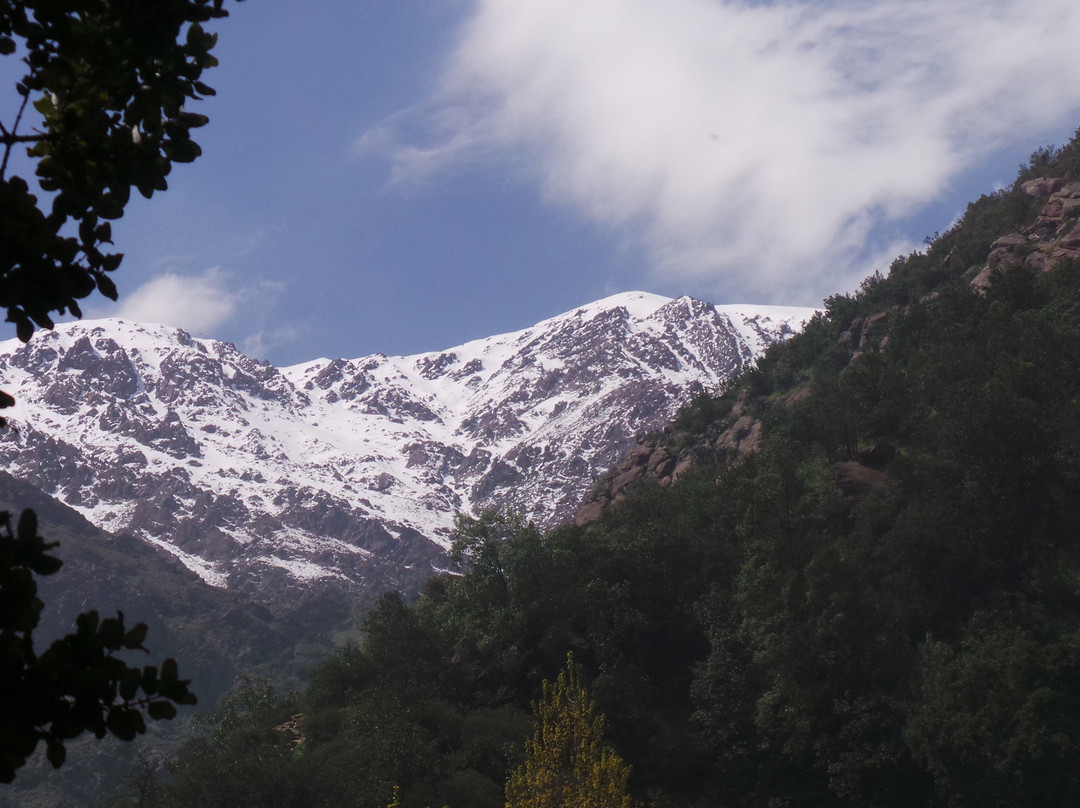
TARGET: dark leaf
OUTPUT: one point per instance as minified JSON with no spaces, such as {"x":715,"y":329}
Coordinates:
{"x":169,"y":672}
{"x":28,"y":525}
{"x":109,"y":207}
{"x":193,"y":120}
{"x":86,"y":227}
{"x":129,"y":685}
{"x":121,"y":722}
{"x":135,"y":637}
{"x":161,"y":710}
{"x":46,"y":564}
{"x":87,"y":622}
{"x":111,"y":632}
{"x":181,"y":151}
{"x":106,"y":286}
{"x":56,"y":753}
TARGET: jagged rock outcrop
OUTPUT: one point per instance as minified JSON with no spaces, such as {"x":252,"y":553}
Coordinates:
{"x":1053,"y":237}
{"x":663,"y":460}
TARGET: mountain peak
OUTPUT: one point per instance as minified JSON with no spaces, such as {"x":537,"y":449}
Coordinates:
{"x":353,"y":469}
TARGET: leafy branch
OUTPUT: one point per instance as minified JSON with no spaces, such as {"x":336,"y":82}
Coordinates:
{"x":77,"y":685}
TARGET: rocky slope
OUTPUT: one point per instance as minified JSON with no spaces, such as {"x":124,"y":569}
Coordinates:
{"x":1049,"y":240}
{"x":260,"y":478}
{"x":1053,"y":237}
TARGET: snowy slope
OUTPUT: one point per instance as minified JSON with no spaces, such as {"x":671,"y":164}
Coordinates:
{"x":353,"y":469}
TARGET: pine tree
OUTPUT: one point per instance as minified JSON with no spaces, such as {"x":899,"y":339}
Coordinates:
{"x":567,"y":765}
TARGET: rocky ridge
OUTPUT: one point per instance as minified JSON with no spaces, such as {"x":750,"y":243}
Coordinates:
{"x":1053,"y":237}
{"x":261,"y":478}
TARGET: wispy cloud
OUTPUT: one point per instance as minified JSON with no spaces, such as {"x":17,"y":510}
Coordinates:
{"x":197,"y":303}
{"x":751,"y":147}
{"x":262,"y":343}
{"x":207,"y":304}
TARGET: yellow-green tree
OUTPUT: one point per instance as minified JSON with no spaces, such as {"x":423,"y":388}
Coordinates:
{"x":567,"y":764}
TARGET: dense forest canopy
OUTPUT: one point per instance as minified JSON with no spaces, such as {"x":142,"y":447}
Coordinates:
{"x":880,"y":606}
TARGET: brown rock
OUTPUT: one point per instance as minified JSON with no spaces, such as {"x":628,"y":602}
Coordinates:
{"x":874,"y":324}
{"x":981,"y":282}
{"x":638,"y":457}
{"x":1042,"y":186}
{"x":664,"y":468}
{"x":589,"y":513}
{"x":1042,"y":259}
{"x":680,"y":467}
{"x":1052,"y":212}
{"x":796,"y":396}
{"x":1008,"y":251}
{"x":752,"y":439}
{"x":862,"y":330}
{"x":1072,"y":240}
{"x":740,"y":405}
{"x":729,"y":438}
{"x":620,"y":483}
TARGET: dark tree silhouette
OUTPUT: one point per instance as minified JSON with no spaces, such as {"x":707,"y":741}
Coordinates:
{"x":99,"y":110}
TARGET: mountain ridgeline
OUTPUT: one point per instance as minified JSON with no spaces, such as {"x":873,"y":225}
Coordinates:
{"x":349,"y":472}
{"x":862,"y":590}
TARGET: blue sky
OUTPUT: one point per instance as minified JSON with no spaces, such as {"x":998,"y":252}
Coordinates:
{"x":404,"y":176}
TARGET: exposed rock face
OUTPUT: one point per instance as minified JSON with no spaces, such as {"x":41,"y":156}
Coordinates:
{"x":1052,"y":238}
{"x":659,"y":460}
{"x":352,"y":470}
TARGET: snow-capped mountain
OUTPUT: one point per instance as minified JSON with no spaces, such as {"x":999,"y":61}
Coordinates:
{"x":255,"y":476}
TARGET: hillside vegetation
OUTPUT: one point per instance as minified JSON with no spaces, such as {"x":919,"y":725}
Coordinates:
{"x":879,"y":605}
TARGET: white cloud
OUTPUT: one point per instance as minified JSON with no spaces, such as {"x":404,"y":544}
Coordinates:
{"x":210,"y":304}
{"x":197,"y":303}
{"x":752,"y":147}
{"x":262,"y":343}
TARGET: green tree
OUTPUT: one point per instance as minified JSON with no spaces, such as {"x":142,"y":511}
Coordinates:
{"x":243,"y":755}
{"x":567,"y":764}
{"x":107,"y":82}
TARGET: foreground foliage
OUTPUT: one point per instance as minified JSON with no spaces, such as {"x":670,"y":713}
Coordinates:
{"x":761,"y":633}
{"x":107,"y":83}
{"x":78,"y":684}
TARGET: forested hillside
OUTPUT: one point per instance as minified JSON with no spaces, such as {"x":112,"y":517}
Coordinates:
{"x":876,"y":605}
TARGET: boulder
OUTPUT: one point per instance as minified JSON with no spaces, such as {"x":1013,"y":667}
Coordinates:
{"x":1042,"y":186}
{"x":1072,"y":240}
